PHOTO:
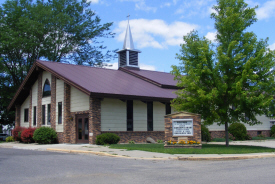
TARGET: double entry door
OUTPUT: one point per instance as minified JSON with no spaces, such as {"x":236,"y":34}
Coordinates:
{"x":82,"y":128}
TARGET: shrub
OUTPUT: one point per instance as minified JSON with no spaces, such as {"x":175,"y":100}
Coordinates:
{"x":159,"y":141}
{"x":131,"y":142}
{"x":15,"y":131}
{"x":45,"y":135}
{"x":248,"y":137}
{"x":9,"y":139}
{"x":238,"y":130}
{"x":272,"y":131}
{"x":218,"y":139}
{"x":27,"y":135}
{"x":107,"y":138}
{"x":205,"y":134}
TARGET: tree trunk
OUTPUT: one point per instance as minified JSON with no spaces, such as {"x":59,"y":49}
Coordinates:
{"x":226,"y":134}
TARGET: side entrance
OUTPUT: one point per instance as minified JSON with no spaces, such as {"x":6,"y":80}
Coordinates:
{"x":82,"y":128}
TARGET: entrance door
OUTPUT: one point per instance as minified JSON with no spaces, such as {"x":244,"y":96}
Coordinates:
{"x":82,"y":129}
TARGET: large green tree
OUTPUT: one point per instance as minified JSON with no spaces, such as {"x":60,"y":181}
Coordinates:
{"x":231,"y":80}
{"x":55,"y":30}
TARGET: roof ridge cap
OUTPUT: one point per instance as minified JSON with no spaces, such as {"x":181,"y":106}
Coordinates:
{"x":75,"y":65}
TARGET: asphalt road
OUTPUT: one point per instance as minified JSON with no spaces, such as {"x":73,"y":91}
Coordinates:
{"x":27,"y":166}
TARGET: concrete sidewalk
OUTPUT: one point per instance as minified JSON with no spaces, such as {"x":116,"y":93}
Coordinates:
{"x":135,"y":154}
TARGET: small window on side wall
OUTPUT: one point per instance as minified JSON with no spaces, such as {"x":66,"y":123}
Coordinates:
{"x":46,"y":89}
{"x":26,"y":115}
{"x":59,"y":112}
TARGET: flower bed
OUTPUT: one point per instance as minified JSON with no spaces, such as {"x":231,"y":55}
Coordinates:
{"x":182,"y":144}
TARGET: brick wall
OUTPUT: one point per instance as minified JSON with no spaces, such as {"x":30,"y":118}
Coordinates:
{"x":39,"y":101}
{"x":94,"y":119}
{"x":30,"y":109}
{"x":196,"y":128}
{"x":137,"y":136}
{"x":53,"y":102}
{"x":67,"y":113}
{"x":17,"y":115}
{"x":252,"y":133}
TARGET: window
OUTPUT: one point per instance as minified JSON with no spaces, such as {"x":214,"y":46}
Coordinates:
{"x":59,"y":112}
{"x":168,"y":108}
{"x":49,"y":115}
{"x":149,"y":116}
{"x":46,"y":89}
{"x":43,"y":114}
{"x":34,"y":116}
{"x":26,"y":115}
{"x":130,"y":121}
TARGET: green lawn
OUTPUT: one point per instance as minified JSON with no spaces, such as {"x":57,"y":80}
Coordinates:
{"x":206,"y":149}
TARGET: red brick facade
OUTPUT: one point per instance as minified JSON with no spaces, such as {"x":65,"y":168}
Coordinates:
{"x":196,"y":126}
{"x":252,"y":133}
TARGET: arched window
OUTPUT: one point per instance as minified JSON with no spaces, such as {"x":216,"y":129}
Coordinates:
{"x":46,"y":88}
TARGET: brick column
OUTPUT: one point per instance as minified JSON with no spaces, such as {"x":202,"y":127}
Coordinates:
{"x":67,"y":112}
{"x":53,"y":102}
{"x":30,"y":109}
{"x":17,"y":115}
{"x":39,"y":101}
{"x":94,"y":119}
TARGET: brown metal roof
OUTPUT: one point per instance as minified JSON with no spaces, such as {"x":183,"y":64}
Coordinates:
{"x":102,"y":82}
{"x":159,"y":78}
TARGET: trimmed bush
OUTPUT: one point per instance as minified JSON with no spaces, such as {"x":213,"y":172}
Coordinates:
{"x":45,"y":135}
{"x":238,"y":130}
{"x":272,"y":131}
{"x":27,"y":135}
{"x":107,"y":138}
{"x":205,"y":134}
{"x":15,"y":131}
{"x":9,"y":139}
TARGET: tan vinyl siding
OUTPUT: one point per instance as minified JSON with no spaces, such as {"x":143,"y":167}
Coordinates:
{"x":79,"y":100}
{"x":113,"y":115}
{"x":140,"y":115}
{"x":264,"y":126}
{"x":24,"y":106}
{"x":158,"y":116}
{"x":59,"y":98}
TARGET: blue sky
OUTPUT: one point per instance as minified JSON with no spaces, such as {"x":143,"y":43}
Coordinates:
{"x":158,"y":25}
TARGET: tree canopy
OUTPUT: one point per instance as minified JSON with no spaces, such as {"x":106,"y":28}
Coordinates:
{"x":232,"y":79}
{"x":55,"y":30}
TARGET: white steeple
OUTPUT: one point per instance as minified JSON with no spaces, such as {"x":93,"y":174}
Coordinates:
{"x":128,"y":41}
{"x":128,"y":56}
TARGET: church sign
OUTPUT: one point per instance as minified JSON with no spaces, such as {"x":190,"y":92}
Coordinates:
{"x":182,"y":127}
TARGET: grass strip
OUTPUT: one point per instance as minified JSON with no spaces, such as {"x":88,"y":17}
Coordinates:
{"x":206,"y":149}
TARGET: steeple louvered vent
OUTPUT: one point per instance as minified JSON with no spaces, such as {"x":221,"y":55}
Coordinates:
{"x":133,"y":58}
{"x":122,"y":58}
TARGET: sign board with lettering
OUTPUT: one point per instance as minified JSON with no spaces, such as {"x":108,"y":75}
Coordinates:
{"x":182,"y":127}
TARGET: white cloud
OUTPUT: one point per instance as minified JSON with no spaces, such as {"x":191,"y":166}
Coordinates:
{"x":94,"y":1}
{"x":211,"y":36}
{"x":155,"y":33}
{"x":272,"y":47}
{"x":165,"y":5}
{"x":266,"y":11}
{"x":195,"y":8}
{"x":114,"y":66}
{"x":141,"y":5}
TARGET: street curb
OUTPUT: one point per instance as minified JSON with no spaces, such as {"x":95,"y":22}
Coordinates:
{"x":226,"y":157}
{"x":106,"y":154}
